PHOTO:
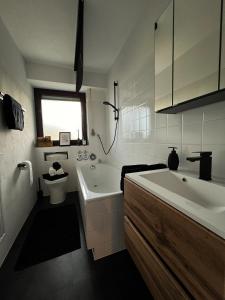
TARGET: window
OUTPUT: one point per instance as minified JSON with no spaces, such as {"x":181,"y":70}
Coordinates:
{"x":60,"y":111}
{"x":61,"y":115}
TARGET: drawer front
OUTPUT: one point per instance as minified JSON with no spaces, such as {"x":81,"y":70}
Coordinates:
{"x":193,"y":253}
{"x":159,"y":280}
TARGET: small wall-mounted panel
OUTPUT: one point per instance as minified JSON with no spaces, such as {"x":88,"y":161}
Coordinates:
{"x":55,"y":156}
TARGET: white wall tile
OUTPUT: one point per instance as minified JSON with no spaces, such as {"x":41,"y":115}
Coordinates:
{"x":161,"y":135}
{"x":192,"y":133}
{"x":161,"y":120}
{"x":214,"y":111}
{"x":174,"y":134}
{"x":193,"y":116}
{"x":174,"y":120}
{"x":214,"y":132}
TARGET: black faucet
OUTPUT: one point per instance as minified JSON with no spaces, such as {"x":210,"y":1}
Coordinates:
{"x":205,"y":164}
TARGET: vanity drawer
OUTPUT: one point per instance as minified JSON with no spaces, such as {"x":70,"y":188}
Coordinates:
{"x":157,"y":277}
{"x":194,"y":254}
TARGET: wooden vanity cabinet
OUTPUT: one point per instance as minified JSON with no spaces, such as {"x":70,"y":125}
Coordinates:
{"x":177,"y":257}
{"x":157,"y":277}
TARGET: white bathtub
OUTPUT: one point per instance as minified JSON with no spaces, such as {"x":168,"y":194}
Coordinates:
{"x":101,"y":204}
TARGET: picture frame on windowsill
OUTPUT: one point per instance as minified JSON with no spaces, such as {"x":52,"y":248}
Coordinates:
{"x":64,"y":138}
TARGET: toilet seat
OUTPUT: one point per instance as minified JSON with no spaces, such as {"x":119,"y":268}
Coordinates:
{"x":60,"y":180}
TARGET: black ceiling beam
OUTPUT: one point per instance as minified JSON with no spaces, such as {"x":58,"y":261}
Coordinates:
{"x":78,"y":60}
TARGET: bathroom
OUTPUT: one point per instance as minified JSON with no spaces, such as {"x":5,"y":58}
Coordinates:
{"x":120,"y":56}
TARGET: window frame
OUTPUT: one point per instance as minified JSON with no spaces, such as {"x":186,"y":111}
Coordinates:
{"x":40,"y":94}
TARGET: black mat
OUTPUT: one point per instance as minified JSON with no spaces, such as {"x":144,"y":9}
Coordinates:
{"x":54,"y":232}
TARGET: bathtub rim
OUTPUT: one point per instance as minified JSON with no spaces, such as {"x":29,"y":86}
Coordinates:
{"x":89,"y":195}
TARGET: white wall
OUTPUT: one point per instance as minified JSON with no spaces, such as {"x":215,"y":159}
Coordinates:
{"x":96,"y":120}
{"x":144,"y":136}
{"x":49,"y":76}
{"x":17,"y":196}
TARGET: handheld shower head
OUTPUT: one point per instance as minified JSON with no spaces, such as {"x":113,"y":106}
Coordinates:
{"x":108,"y":103}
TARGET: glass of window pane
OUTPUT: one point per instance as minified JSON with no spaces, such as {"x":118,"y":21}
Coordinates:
{"x":61,"y":116}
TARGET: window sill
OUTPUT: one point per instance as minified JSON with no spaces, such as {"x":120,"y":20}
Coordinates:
{"x":56,"y":144}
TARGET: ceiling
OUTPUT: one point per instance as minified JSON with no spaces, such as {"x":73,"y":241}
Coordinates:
{"x":44,"y":30}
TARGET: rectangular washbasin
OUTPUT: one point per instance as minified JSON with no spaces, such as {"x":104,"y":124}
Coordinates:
{"x":203,"y":193}
{"x":203,"y":201}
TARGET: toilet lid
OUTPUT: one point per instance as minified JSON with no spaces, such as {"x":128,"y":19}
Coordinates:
{"x":55,"y":177}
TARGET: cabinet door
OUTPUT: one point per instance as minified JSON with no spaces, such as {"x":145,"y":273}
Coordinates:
{"x":163,"y":59}
{"x":157,"y":277}
{"x":196,"y":48}
{"x":222,"y":72}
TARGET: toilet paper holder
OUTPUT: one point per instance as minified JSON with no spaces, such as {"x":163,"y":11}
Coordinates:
{"x":27,"y":167}
{"x":22,"y":166}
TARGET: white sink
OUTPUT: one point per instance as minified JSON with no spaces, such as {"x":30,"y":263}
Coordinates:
{"x":203,"y":201}
{"x":203,"y":193}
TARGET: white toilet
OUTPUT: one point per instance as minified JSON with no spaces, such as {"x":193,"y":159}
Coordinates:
{"x":57,"y":189}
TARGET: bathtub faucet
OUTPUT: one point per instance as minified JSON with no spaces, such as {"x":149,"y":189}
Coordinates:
{"x":92,"y":167}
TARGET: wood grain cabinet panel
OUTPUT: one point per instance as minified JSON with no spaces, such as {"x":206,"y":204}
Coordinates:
{"x":158,"y":279}
{"x":194,"y":254}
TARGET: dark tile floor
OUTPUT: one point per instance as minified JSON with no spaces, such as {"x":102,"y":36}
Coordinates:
{"x":73,"y":276}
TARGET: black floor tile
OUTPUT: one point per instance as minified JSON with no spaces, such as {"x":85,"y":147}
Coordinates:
{"x":73,"y":276}
{"x":54,"y":232}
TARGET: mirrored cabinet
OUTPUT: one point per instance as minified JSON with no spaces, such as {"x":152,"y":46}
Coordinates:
{"x":163,"y":59}
{"x":196,"y":48}
{"x":188,"y":54}
{"x":222,"y":71}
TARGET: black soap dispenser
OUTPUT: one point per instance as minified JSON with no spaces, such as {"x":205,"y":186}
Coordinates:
{"x":173,"y":159}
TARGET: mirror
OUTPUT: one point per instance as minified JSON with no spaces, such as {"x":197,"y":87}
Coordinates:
{"x":196,"y":48}
{"x":163,"y":59}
